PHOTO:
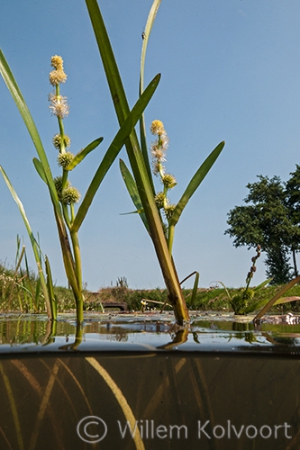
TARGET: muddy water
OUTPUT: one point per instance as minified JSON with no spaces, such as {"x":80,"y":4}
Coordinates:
{"x":137,"y":382}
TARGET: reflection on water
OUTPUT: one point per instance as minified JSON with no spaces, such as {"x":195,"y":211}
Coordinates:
{"x":144,"y":332}
{"x":216,"y":385}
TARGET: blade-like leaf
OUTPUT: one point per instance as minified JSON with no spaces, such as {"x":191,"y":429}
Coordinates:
{"x":26,"y":116}
{"x":51,"y":288}
{"x":114,"y":150}
{"x":276,"y":297}
{"x":138,"y":164}
{"x":261,"y":303}
{"x":19,"y":257}
{"x":262,"y":285}
{"x":133,"y":192}
{"x":82,"y":154}
{"x":37,"y":294}
{"x":39,"y":168}
{"x":33,"y":241}
{"x":31,"y":127}
{"x":146,"y":35}
{"x":195,"y":287}
{"x":195,"y":182}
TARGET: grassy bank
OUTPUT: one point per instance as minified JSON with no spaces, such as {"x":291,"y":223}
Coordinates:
{"x":206,"y":300}
{"x":20,"y":293}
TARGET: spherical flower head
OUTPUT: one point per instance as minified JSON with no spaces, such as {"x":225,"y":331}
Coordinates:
{"x":57,"y":141}
{"x":59,"y":106}
{"x":58,"y":186}
{"x":64,"y":159}
{"x":169,"y":181}
{"x":57,"y":75}
{"x":157,"y":128}
{"x":70,"y":195}
{"x":57,"y":62}
{"x":160,"y":200}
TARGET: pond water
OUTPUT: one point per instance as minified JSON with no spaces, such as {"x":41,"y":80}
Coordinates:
{"x":215,"y":332}
{"x":136,"y":381}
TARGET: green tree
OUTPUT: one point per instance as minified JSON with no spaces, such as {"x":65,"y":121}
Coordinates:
{"x":268,"y":219}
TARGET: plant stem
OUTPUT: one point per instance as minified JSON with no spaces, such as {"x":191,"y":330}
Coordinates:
{"x":78,"y":269}
{"x":171,"y":232}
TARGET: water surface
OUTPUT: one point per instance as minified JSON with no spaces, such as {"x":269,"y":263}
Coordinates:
{"x":146,"y":332}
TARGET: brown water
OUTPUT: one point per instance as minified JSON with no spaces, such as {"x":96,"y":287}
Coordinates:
{"x":137,"y":382}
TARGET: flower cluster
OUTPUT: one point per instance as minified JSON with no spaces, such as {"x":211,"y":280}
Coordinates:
{"x":67,"y":194}
{"x":158,"y":152}
{"x":159,"y":147}
{"x":58,"y":105}
{"x":57,"y":75}
{"x":58,"y":141}
{"x":64,"y":159}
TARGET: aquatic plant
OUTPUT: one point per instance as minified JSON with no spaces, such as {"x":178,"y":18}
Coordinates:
{"x":140,"y":183}
{"x":246,"y":301}
{"x":64,"y":196}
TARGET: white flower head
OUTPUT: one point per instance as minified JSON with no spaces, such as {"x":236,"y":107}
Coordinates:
{"x":58,"y":105}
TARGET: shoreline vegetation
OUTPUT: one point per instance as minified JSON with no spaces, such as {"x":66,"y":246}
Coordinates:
{"x":20,"y":292}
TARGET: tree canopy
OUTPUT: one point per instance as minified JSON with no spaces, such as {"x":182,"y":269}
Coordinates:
{"x":270,"y":218}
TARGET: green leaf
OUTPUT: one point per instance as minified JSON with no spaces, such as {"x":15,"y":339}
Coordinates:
{"x":262,"y":285}
{"x":195,"y":287}
{"x":133,"y":192}
{"x":137,"y":163}
{"x":19,"y":257}
{"x":50,"y":288}
{"x":262,"y":303}
{"x":114,"y":150}
{"x":83,"y":153}
{"x":33,"y":241}
{"x":31,"y":127}
{"x":276,"y":297}
{"x":37,"y":293}
{"x":146,"y":35}
{"x":195,"y":182}
{"x":39,"y":168}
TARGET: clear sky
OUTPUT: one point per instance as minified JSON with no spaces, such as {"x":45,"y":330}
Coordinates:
{"x":230,"y":71}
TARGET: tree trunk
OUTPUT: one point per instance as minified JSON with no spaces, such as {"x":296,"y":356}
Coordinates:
{"x":295,"y":262}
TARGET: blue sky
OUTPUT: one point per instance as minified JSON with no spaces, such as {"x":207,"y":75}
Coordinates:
{"x":230,"y":71}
